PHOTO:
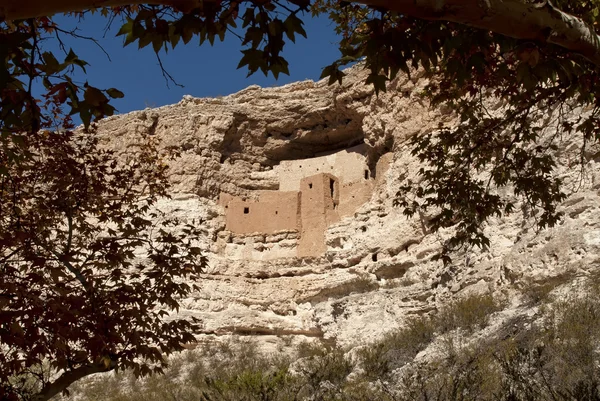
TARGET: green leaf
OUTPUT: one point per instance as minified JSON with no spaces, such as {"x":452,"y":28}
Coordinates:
{"x":334,"y":73}
{"x":174,"y":37}
{"x":254,"y":59}
{"x":144,"y":41}
{"x":86,"y":117}
{"x":115,"y":93}
{"x":94,"y":96}
{"x":254,"y":35}
{"x":378,"y":82}
{"x":129,"y":39}
{"x":248,"y":17}
{"x":327,"y":71}
{"x":157,"y":43}
{"x":73,"y":59}
{"x":126,"y":28}
{"x":275,"y":27}
{"x":281,"y":66}
{"x":52,"y":65}
{"x":292,"y":26}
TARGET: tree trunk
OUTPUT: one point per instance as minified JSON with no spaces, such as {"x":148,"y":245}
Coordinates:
{"x":71,"y":376}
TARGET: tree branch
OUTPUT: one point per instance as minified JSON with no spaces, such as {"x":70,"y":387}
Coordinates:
{"x":542,"y":22}
{"x":63,"y":259}
{"x":68,"y":378}
{"x":23,"y":9}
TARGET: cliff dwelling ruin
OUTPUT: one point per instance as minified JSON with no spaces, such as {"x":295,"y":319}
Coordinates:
{"x":291,"y":222}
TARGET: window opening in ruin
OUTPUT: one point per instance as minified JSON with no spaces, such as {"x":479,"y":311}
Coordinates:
{"x":310,"y":185}
{"x":276,"y":212}
{"x":374,"y":257}
{"x":366,"y":174}
{"x":246,"y":210}
{"x":364,"y":229}
{"x":332,"y":189}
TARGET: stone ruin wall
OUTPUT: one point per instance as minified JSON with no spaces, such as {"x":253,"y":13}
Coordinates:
{"x":291,"y":222}
{"x":274,"y":211}
{"x":320,"y":199}
{"x":349,"y":165}
{"x":258,"y":246}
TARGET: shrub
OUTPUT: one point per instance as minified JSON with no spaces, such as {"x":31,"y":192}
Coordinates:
{"x":360,"y":284}
{"x":326,"y":364}
{"x":379,"y":359}
{"x":469,"y":313}
{"x":539,"y":292}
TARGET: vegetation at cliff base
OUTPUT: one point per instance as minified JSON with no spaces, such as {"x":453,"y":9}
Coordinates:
{"x":442,"y":357}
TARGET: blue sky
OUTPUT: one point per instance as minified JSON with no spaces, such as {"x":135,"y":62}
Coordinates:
{"x":204,"y":71}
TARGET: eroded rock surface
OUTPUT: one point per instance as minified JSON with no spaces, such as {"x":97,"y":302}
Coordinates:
{"x":373,"y":267}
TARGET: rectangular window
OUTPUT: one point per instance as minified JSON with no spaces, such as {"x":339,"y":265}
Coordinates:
{"x":246,"y":210}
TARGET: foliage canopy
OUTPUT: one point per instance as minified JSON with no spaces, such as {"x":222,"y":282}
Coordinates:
{"x":89,"y":268}
{"x":72,"y":217}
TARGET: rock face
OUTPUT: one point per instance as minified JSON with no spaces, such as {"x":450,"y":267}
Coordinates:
{"x":295,"y":187}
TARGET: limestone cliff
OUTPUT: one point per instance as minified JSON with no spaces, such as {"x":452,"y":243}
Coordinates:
{"x":349,"y":265}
